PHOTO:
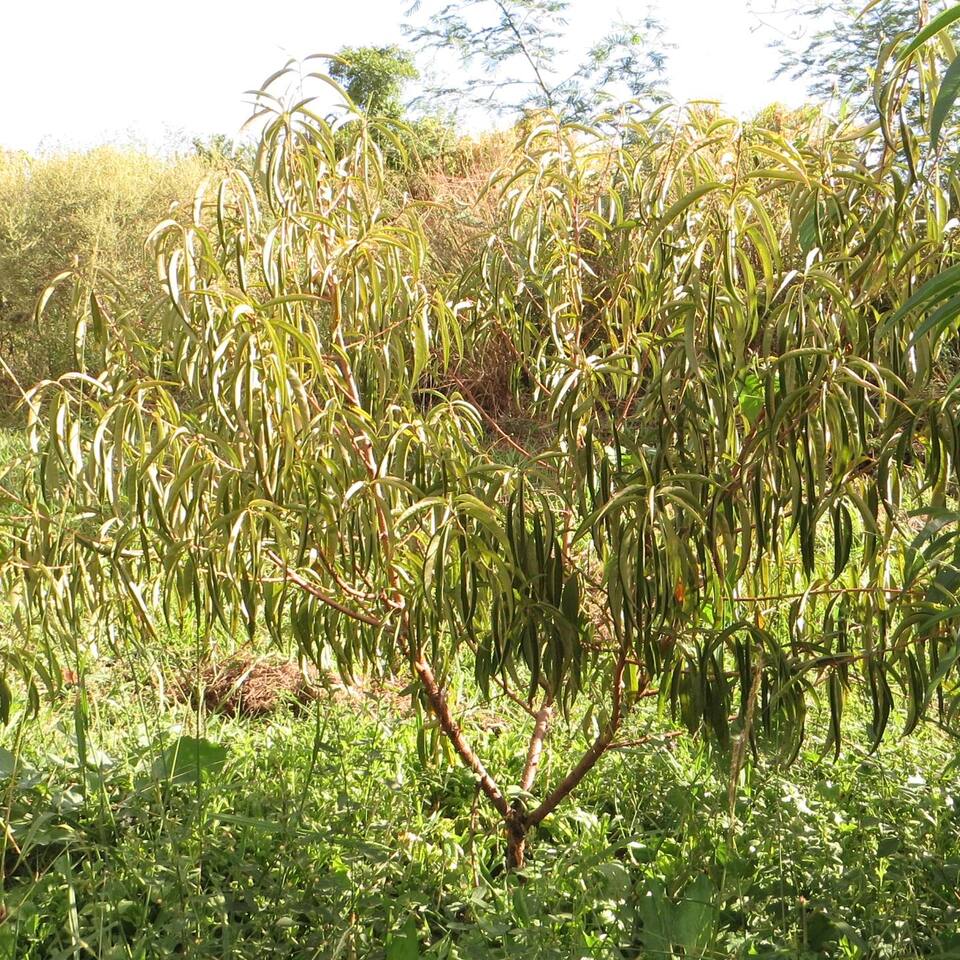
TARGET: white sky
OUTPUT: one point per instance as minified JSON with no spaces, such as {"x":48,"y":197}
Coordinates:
{"x":79,"y":73}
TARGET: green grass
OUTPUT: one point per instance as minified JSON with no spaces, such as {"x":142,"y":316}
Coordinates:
{"x":323,"y":835}
{"x":13,"y":448}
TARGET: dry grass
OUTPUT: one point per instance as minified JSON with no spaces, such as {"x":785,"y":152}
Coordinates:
{"x":246,"y":686}
{"x":90,"y":211}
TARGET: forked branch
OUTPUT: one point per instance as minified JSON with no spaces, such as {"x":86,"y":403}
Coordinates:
{"x":595,"y":751}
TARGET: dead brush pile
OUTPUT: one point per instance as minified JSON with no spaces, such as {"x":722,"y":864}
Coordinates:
{"x":249,"y":686}
{"x":246,"y":686}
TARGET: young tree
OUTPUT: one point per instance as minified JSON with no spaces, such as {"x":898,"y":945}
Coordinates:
{"x":746,"y":490}
{"x":515,"y":51}
{"x":374,"y":79}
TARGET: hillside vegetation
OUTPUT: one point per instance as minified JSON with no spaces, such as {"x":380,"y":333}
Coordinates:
{"x":91,"y":211}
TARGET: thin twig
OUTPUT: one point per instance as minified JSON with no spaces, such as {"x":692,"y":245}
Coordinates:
{"x":822,"y":592}
{"x":320,"y":595}
{"x":486,"y":416}
{"x":502,"y":684}
{"x":642,"y":741}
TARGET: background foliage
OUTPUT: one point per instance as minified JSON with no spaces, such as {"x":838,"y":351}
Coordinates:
{"x":91,"y":209}
{"x":834,"y":46}
{"x":514,"y":57}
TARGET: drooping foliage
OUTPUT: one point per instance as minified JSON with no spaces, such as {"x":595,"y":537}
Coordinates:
{"x":741,"y":492}
{"x":833,"y":46}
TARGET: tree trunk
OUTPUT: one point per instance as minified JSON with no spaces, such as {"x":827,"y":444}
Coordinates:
{"x":516,"y":839}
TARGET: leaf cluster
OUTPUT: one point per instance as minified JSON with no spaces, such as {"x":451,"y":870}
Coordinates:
{"x":746,"y":492}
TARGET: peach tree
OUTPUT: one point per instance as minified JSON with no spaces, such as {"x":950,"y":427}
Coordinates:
{"x":738,"y":493}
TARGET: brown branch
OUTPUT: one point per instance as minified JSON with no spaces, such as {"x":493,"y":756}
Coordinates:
{"x":535,"y":749}
{"x":364,"y":448}
{"x":513,"y":695}
{"x":436,"y":696}
{"x":740,"y":749}
{"x":320,"y":595}
{"x":823,"y":592}
{"x":441,"y":709}
{"x":594,"y":752}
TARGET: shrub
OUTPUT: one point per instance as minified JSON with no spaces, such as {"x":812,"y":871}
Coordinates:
{"x":91,"y":211}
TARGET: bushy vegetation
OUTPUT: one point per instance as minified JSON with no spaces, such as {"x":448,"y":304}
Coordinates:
{"x":90,"y":210}
{"x":323,"y":834}
{"x":628,"y":487}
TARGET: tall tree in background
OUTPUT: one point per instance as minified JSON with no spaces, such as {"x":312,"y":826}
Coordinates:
{"x":374,"y":78}
{"x":515,"y":52}
{"x":835,"y":47}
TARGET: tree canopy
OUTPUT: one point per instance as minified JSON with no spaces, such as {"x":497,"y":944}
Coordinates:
{"x":515,"y":57}
{"x":836,"y":47}
{"x":740,"y":496}
{"x":374,"y":77}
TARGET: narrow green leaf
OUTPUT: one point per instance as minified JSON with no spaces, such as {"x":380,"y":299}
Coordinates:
{"x":946,"y":97}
